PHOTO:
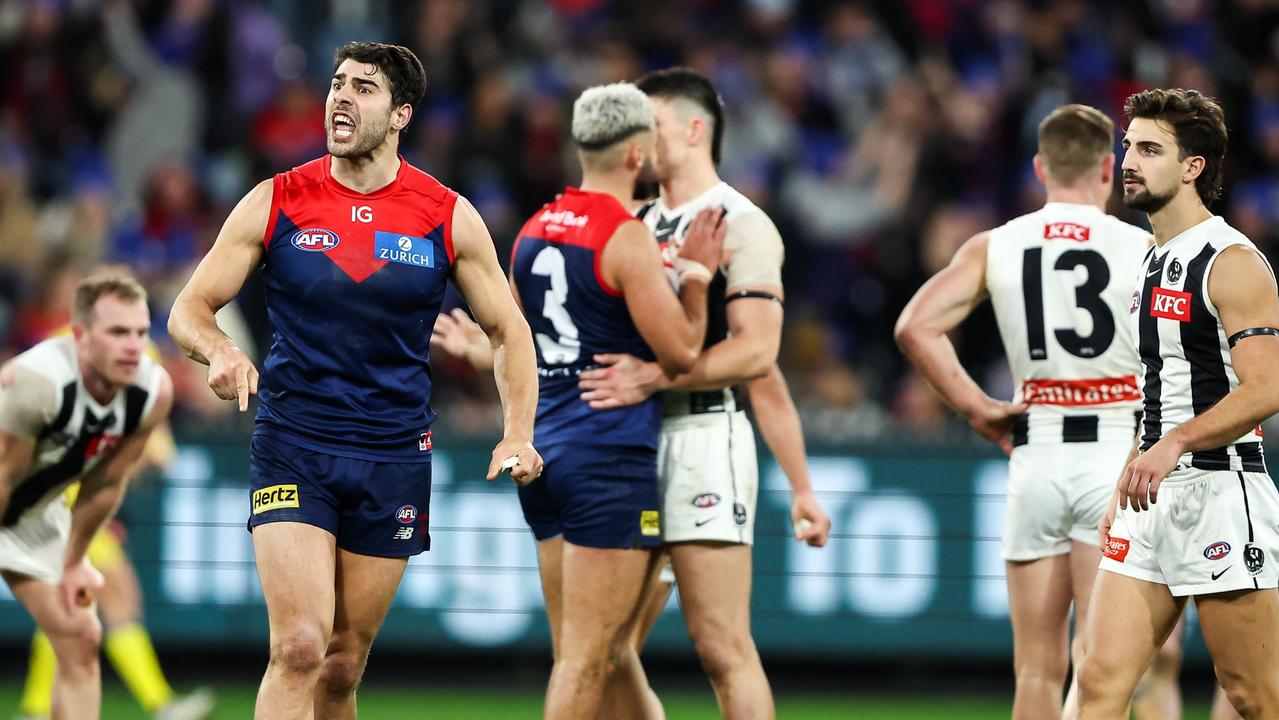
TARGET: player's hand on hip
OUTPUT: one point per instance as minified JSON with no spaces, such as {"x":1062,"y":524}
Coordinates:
{"x":1108,"y":520}
{"x":519,"y":458}
{"x":1139,"y":485}
{"x":620,"y":380}
{"x":79,"y":585}
{"x":232,"y":375}
{"x":456,"y":333}
{"x":704,"y":241}
{"x":810,"y":522}
{"x":993,"y":420}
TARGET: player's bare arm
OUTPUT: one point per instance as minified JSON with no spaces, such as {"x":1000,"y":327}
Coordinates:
{"x":1243,"y":290}
{"x":775,"y":416}
{"x":672,"y":327}
{"x":101,"y":491}
{"x":458,"y":335}
{"x":938,"y":307}
{"x":215,"y":282}
{"x":15,"y":456}
{"x":20,"y":425}
{"x":755,"y":332}
{"x":480,"y":279}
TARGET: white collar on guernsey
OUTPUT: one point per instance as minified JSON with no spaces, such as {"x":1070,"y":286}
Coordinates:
{"x":662,"y":207}
{"x":1194,"y":231}
{"x":1073,"y":207}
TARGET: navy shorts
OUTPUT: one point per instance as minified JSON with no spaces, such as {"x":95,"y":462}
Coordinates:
{"x":371,"y":508}
{"x":607,"y":503}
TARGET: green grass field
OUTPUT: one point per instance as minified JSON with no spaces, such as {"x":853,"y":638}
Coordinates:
{"x":235,"y":702}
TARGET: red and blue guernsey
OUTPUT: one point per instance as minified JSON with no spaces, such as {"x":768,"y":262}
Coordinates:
{"x":354,"y":282}
{"x":574,"y":314}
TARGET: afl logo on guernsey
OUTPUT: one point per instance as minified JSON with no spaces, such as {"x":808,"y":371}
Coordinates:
{"x":315,"y":240}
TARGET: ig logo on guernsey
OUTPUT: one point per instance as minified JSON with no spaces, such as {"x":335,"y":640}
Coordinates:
{"x":403,"y":249}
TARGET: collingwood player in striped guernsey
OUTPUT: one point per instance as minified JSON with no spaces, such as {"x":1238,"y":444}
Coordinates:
{"x":76,"y":408}
{"x":1195,"y":514}
{"x":1059,"y":281}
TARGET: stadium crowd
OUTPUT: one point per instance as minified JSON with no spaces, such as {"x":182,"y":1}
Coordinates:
{"x":878,"y":135}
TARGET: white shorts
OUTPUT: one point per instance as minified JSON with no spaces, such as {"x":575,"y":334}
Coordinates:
{"x":1057,"y":493}
{"x":708,"y":478}
{"x":35,"y":545}
{"x":1209,"y":531}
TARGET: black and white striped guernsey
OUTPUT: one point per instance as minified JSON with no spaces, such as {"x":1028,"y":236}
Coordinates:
{"x":1185,"y":354}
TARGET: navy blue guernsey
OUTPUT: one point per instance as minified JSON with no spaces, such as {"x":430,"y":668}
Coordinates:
{"x":574,"y":315}
{"x":353,"y":285}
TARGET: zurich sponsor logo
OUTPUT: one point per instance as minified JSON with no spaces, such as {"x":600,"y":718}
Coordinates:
{"x":315,"y":240}
{"x":1217,"y":550}
{"x":403,"y":249}
{"x":406,"y":514}
{"x":706,"y":500}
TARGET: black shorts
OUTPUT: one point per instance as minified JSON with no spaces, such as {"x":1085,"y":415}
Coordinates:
{"x":371,"y":508}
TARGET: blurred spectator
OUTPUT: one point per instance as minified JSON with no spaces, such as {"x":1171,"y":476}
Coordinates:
{"x":878,"y":135}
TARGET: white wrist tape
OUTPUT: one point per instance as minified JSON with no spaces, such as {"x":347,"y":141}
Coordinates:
{"x":690,"y":270}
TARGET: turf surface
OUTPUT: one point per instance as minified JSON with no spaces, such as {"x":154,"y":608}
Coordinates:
{"x":235,"y":702}
{"x":389,"y":703}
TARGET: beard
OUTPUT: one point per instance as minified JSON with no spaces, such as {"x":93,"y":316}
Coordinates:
{"x":646,"y":187}
{"x":1147,"y":201}
{"x":368,"y":136}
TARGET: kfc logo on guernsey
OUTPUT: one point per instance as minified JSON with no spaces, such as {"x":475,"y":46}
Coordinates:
{"x":315,"y":240}
{"x":564,"y":219}
{"x":1066,"y":231}
{"x":1170,"y":305}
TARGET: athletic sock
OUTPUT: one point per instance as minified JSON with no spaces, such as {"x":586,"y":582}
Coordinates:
{"x":37,"y":695}
{"x":131,"y":654}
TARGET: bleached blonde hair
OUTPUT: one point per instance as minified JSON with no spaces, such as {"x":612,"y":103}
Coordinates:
{"x":607,"y":114}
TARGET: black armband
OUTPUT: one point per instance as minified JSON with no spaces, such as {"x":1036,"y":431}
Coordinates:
{"x":1250,"y":332}
{"x":753,"y":294}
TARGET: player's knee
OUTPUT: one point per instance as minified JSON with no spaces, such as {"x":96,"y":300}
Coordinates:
{"x":299,"y":652}
{"x":76,"y":645}
{"x":1251,"y":696}
{"x":1096,"y":679}
{"x":342,"y":672}
{"x":719,"y":652}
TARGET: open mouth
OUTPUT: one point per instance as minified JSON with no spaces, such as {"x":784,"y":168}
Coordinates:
{"x":342,"y":126}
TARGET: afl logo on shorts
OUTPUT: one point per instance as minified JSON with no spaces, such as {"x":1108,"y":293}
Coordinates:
{"x":1217,"y":550}
{"x":706,"y":500}
{"x":406,"y":514}
{"x":1254,"y":558}
{"x":315,"y":240}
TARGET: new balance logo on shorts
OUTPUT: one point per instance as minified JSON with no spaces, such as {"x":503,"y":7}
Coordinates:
{"x":275,"y":497}
{"x":1116,"y":548}
{"x":404,"y":533}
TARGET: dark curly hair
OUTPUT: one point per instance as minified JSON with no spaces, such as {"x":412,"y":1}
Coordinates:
{"x":400,"y":66}
{"x":1198,"y":124}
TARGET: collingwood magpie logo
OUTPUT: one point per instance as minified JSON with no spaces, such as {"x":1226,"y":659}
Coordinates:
{"x":1174,"y":271}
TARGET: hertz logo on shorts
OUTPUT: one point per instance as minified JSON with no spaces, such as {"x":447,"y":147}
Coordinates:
{"x":275,"y":497}
{"x":649,"y":524}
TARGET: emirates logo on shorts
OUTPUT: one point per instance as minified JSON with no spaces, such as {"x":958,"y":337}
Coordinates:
{"x":1116,"y":548}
